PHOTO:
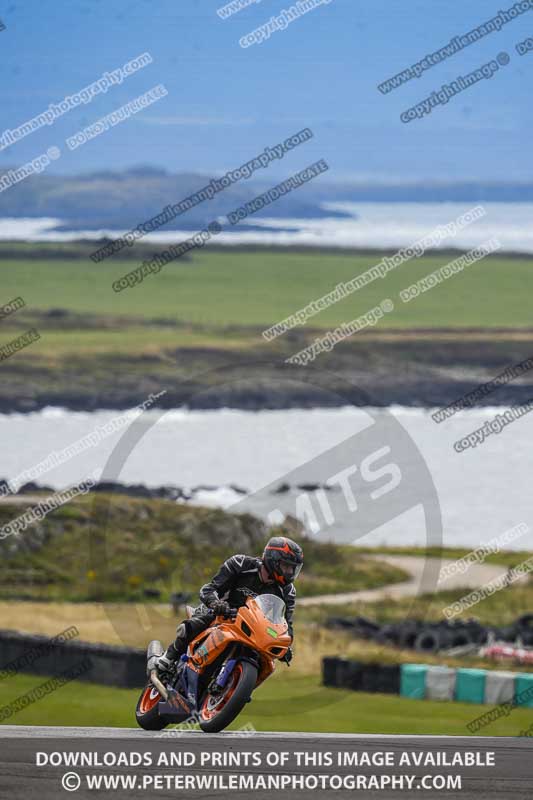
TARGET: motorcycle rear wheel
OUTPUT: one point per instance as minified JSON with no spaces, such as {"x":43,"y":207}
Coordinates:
{"x":147,"y":712}
{"x":216,"y":713}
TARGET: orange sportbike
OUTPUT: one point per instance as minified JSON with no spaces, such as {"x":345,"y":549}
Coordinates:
{"x":215,"y":679}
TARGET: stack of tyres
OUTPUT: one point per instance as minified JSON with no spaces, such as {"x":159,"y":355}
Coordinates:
{"x":343,"y":673}
{"x":384,"y":678}
{"x":440,"y":683}
{"x":434,"y":637}
{"x":329,"y":670}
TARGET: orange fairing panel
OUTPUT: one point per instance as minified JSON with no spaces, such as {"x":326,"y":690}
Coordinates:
{"x":266,"y":670}
{"x":213,"y":646}
{"x":250,"y":628}
{"x":265,"y":634}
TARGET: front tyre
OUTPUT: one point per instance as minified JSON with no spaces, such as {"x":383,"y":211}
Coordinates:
{"x":147,"y":712}
{"x":216,"y":713}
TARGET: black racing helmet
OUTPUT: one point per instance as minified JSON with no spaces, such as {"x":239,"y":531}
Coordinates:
{"x":283,"y":559}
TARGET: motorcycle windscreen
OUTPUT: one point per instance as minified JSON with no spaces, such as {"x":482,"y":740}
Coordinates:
{"x":272,"y":607}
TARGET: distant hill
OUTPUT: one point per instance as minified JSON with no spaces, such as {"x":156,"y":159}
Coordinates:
{"x":122,"y":199}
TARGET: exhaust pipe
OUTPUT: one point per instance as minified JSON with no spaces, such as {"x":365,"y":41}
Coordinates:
{"x":155,"y":649}
{"x":158,"y":685}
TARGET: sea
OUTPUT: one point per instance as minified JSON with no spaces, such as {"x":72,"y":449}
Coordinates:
{"x":289,"y":462}
{"x":364,"y":225}
{"x":278,"y":463}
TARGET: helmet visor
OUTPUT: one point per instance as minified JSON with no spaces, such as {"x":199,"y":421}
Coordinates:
{"x":289,"y":571}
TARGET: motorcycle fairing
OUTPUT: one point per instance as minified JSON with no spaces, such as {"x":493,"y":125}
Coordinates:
{"x":175,"y":709}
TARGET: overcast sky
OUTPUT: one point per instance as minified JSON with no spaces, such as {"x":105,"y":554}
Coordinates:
{"x":226,"y":103}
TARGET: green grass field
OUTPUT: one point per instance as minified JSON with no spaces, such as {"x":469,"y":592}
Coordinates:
{"x":283,"y":703}
{"x":208,"y":313}
{"x":508,"y":558}
{"x":260,"y":288}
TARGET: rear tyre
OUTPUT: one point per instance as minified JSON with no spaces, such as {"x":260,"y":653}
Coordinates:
{"x":217,"y":713}
{"x":147,"y":712}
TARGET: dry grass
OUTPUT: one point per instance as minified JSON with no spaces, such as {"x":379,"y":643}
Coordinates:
{"x":118,"y":624}
{"x":135,"y":625}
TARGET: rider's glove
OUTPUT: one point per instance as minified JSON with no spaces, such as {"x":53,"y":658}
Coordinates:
{"x":287,"y":658}
{"x":221,"y":608}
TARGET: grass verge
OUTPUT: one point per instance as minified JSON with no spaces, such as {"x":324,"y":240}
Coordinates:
{"x":286,"y":702}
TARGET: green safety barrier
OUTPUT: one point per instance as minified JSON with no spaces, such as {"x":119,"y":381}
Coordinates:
{"x":524,"y":689}
{"x":432,"y":682}
{"x":470,"y":685}
{"x":413,"y":681}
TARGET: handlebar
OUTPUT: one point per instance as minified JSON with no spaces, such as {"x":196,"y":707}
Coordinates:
{"x":231,"y":614}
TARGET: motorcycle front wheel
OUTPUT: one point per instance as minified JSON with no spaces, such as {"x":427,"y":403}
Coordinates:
{"x":219,"y":711}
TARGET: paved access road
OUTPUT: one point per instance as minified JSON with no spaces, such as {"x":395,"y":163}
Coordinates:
{"x":475,"y":576}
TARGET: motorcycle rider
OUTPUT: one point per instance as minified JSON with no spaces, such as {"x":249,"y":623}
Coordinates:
{"x":239,"y":577}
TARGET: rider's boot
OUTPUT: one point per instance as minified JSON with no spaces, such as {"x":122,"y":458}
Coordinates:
{"x":174,"y":651}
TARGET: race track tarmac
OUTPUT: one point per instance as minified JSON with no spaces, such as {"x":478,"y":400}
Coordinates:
{"x":21,"y":778}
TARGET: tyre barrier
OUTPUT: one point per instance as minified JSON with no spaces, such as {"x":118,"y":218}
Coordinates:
{"x":433,"y":637}
{"x":39,"y":655}
{"x":343,"y":673}
{"x":430,"y":682}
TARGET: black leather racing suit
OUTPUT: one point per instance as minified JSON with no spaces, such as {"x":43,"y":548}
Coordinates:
{"x":237,"y":579}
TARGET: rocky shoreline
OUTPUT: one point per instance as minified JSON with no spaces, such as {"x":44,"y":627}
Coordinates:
{"x":429,"y":396}
{"x":417,"y":375}
{"x":167,"y":492}
{"x":425,"y":368}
